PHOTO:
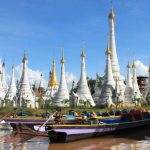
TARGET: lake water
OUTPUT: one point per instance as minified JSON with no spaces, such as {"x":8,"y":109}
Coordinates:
{"x":129,"y":140}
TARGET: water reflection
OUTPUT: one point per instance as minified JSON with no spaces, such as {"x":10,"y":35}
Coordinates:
{"x":131,"y":140}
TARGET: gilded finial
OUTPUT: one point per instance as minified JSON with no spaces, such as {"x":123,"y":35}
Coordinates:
{"x":111,"y":14}
{"x":3,"y":63}
{"x":128,"y":65}
{"x":83,"y":53}
{"x":63,"y":59}
{"x":25,"y":56}
{"x":133,"y":66}
{"x":53,"y":78}
{"x":108,"y":51}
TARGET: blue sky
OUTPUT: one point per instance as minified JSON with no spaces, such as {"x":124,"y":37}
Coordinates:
{"x":42,"y":27}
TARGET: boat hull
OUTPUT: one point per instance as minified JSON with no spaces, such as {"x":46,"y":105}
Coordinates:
{"x":61,"y":134}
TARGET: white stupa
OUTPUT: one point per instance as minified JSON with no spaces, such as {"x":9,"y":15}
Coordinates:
{"x":52,"y":84}
{"x":114,"y":59}
{"x":83,"y":91}
{"x":3,"y":78}
{"x":25,"y":95}
{"x":128,"y":88}
{"x":41,"y":85}
{"x":148,"y":86}
{"x":97,"y":91}
{"x":2,"y":93}
{"x":136,"y":94}
{"x":62,"y":96}
{"x":108,"y":87}
{"x":11,"y":94}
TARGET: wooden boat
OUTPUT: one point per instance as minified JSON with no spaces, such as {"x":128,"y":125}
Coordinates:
{"x":71,"y":132}
{"x":79,"y":128}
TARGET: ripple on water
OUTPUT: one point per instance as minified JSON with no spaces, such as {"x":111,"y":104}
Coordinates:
{"x":102,"y":143}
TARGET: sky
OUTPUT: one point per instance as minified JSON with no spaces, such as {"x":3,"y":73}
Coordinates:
{"x":43,"y":27}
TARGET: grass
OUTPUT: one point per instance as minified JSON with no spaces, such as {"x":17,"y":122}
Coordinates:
{"x":9,"y":111}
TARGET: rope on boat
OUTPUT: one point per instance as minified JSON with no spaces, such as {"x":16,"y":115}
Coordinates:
{"x":5,"y":115}
{"x":46,"y":121}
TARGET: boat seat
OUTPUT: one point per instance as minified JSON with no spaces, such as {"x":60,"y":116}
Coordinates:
{"x":70,"y":116}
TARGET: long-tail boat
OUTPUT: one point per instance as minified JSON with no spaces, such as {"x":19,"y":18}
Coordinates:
{"x":80,"y":128}
{"x":93,"y":127}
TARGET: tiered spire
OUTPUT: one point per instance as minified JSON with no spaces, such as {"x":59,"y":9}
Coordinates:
{"x":53,"y":78}
{"x":11,"y":94}
{"x":148,"y":86}
{"x":52,"y":84}
{"x":2,"y":92}
{"x":136,"y":91}
{"x":97,"y":90}
{"x":25,"y":92}
{"x":128,"y":89}
{"x":3,"y":78}
{"x":83,"y":90}
{"x":129,"y":78}
{"x":114,"y":59}
{"x":41,"y":85}
{"x":108,"y":87}
{"x":62,"y":93}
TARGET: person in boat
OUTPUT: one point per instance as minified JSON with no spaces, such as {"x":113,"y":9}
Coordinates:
{"x":57,"y":116}
{"x":75,"y":114}
{"x":93,"y":114}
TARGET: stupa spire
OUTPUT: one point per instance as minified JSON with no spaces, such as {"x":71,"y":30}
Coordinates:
{"x":114,"y":58}
{"x":83,"y":90}
{"x":41,"y":85}
{"x":2,"y":92}
{"x":148,"y":86}
{"x":3,"y":78}
{"x":128,"y":89}
{"x":136,"y":91}
{"x":11,"y":94}
{"x":109,"y":83}
{"x":25,"y":92}
{"x":129,"y":78}
{"x":53,"y":78}
{"x":52,"y":84}
{"x":62,"y":93}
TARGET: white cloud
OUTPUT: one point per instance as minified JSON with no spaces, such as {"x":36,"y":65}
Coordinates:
{"x":34,"y":75}
{"x":70,"y":77}
{"x":142,"y":69}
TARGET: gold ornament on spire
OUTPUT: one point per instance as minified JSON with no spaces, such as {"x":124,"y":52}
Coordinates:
{"x":83,"y":53}
{"x":111,"y":14}
{"x":133,"y":66}
{"x":25,"y":57}
{"x":63,"y":59}
{"x":108,"y":51}
{"x":53,"y":78}
{"x":128,"y":65}
{"x":3,"y":63}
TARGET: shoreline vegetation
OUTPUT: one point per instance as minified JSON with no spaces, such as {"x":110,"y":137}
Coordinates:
{"x":22,"y":112}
